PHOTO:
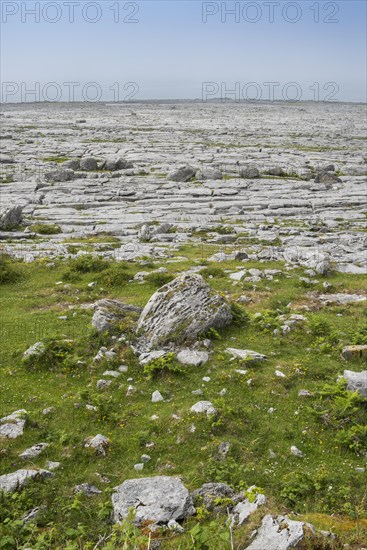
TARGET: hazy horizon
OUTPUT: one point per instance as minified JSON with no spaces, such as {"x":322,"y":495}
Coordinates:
{"x":185,"y":50}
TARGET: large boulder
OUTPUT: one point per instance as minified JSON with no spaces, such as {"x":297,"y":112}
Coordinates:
{"x":16,"y":480}
{"x":179,"y":311}
{"x":109,"y":313}
{"x":10,"y":216}
{"x":183,"y":174}
{"x":155,"y":499}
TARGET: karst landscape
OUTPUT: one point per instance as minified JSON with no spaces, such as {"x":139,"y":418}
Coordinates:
{"x":183,"y":334}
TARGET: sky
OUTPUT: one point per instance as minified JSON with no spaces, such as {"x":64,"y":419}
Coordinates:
{"x":112,"y":50}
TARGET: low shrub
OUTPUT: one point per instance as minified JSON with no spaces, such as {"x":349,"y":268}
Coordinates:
{"x":88,"y":263}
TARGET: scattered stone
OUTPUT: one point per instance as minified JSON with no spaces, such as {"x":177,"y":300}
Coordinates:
{"x":356,"y":381}
{"x":104,"y":353}
{"x":183,"y":174}
{"x":275,"y":171}
{"x":16,"y":480}
{"x":145,"y":458}
{"x":277,"y":533}
{"x":204,"y":407}
{"x":113,"y":373}
{"x":139,"y":467}
{"x":246,"y":354}
{"x":224,"y":449}
{"x":327,"y":177}
{"x":249,"y":172}
{"x":192,"y":357}
{"x":103,"y":384}
{"x":31,"y":515}
{"x":98,"y":443}
{"x":305,"y":393}
{"x":156,"y":397}
{"x":353,"y":352}
{"x":174,"y":526}
{"x":156,"y":499}
{"x":48,"y":410}
{"x":210,"y":493}
{"x":109,"y":313}
{"x":36,"y":350}
{"x":87,"y":490}
{"x":88,"y":164}
{"x":53,"y":465}
{"x":33,"y":451}
{"x":146,"y":358}
{"x":123,"y":164}
{"x":237,"y":277}
{"x":12,"y":426}
{"x":72,"y":164}
{"x":280,"y":374}
{"x":59,"y":175}
{"x":244,"y":509}
{"x":296,"y":452}
{"x":342,"y":299}
{"x":144,"y":236}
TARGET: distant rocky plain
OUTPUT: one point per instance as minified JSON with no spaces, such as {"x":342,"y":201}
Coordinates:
{"x":275,"y":180}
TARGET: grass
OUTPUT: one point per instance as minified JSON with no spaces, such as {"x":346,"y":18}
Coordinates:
{"x":45,"y":229}
{"x":324,"y":486}
{"x":56,"y":159}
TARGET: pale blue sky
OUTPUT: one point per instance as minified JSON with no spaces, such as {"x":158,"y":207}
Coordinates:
{"x":169,"y":52}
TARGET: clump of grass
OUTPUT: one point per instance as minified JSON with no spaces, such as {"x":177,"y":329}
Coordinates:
{"x":45,"y":229}
{"x":240,"y":315}
{"x":224,"y":230}
{"x":116,"y":275}
{"x":88,"y":263}
{"x":159,"y":279}
{"x":54,"y":355}
{"x":9,"y":271}
{"x":59,"y":160}
{"x":163,"y":365}
{"x":215,"y":272}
